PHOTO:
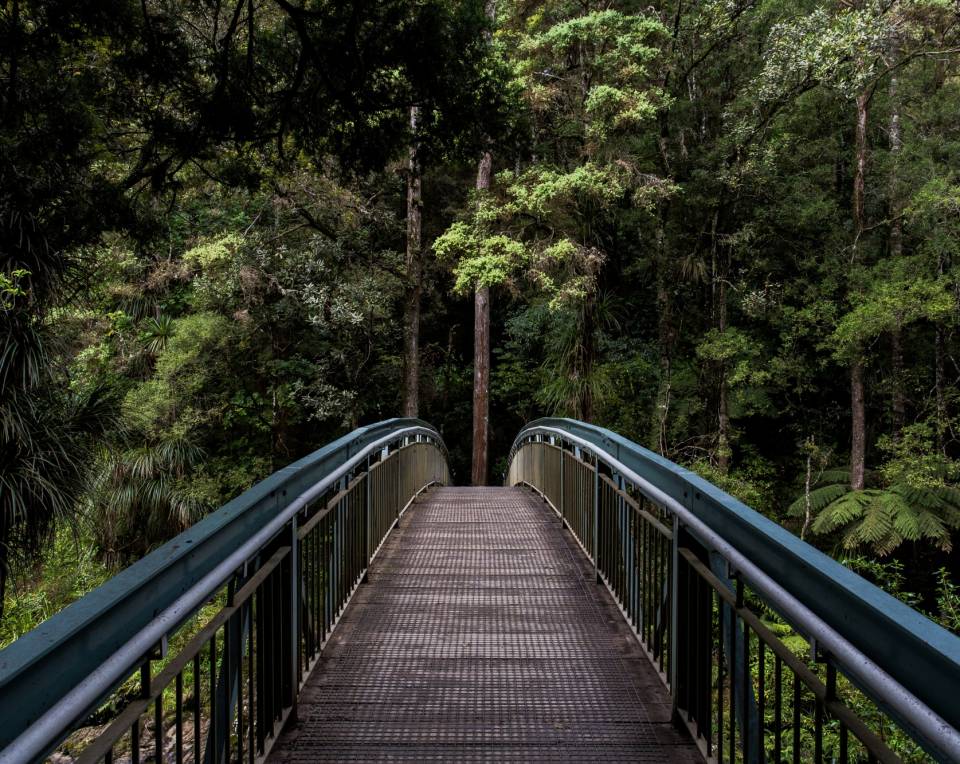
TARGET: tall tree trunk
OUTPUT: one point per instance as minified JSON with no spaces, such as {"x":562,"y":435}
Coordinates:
{"x":481,"y":384}
{"x":662,"y":401}
{"x":723,"y":412}
{"x":939,"y":373}
{"x":807,"y":486}
{"x":414,"y":262}
{"x":860,"y":170}
{"x":586,"y":358}
{"x":718,"y":302}
{"x":481,"y":332}
{"x":858,"y":427}
{"x":481,"y":355}
{"x":899,"y":403}
{"x":858,"y":439}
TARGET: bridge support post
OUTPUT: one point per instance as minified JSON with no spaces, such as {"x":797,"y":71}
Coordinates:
{"x":596,"y":519}
{"x":367,"y":537}
{"x":293,"y":621}
{"x":693,"y":603}
{"x":563,"y":488}
{"x":399,"y":479}
{"x":672,"y":615}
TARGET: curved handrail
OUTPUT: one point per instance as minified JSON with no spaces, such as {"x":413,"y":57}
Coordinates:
{"x":908,"y":664}
{"x":45,"y":689}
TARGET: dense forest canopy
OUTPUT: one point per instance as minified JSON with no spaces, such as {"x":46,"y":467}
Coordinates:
{"x":231,"y":231}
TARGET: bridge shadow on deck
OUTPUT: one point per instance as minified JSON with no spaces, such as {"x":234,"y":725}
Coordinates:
{"x":481,"y":636}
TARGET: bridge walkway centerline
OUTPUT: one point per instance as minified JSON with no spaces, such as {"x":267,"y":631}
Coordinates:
{"x":481,"y":636}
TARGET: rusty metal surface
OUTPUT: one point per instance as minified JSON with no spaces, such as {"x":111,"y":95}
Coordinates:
{"x":481,"y":636}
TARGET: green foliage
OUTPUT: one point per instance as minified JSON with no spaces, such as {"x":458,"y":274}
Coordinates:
{"x":213,"y":243}
{"x":11,"y":288}
{"x":752,"y":482}
{"x":138,"y":499}
{"x":191,"y":367}
{"x":69,"y":568}
{"x":157,"y":333}
{"x":895,"y":300}
{"x":881,"y":519}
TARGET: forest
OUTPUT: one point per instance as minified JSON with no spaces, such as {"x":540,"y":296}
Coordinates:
{"x":233,"y":230}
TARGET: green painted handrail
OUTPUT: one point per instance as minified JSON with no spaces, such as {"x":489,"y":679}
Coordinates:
{"x":917,"y":653}
{"x":40,"y":667}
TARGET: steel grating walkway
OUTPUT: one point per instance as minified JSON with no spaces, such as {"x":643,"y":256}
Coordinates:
{"x":482,"y":637}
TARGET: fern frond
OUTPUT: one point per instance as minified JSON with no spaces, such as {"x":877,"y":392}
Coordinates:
{"x":908,"y":524}
{"x":819,"y":498}
{"x":836,"y":475}
{"x":950,"y":496}
{"x":877,"y":523}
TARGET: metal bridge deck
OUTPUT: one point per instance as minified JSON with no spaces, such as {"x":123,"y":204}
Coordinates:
{"x":481,"y":636}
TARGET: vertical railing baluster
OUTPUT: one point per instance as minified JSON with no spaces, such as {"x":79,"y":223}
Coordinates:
{"x":720,"y":679}
{"x":196,"y":707}
{"x":733,"y":684}
{"x":596,"y":520}
{"x":178,"y":717}
{"x":673,"y":615}
{"x":777,"y":708}
{"x":761,"y":697}
{"x":135,"y":742}
{"x":158,"y":728}
{"x":796,"y":719}
{"x":212,"y":727}
{"x":251,"y":682}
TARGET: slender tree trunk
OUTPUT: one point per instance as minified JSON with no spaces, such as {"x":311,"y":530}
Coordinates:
{"x":858,"y":439}
{"x":858,"y":427}
{"x":481,"y":384}
{"x":414,"y":262}
{"x":662,"y":401}
{"x":899,"y":403}
{"x":481,"y":355}
{"x":807,"y":486}
{"x":939,"y":373}
{"x":584,"y":371}
{"x":661,"y":414}
{"x":860,"y":169}
{"x":481,"y":332}
{"x":718,"y":302}
{"x":723,"y":413}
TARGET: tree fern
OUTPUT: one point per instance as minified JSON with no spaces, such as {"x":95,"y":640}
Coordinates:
{"x":881,"y":519}
{"x":819,"y":498}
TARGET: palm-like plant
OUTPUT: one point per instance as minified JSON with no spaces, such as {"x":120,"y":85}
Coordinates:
{"x":157,"y":333}
{"x":574,"y":383}
{"x":882,"y":518}
{"x":137,"y":497}
{"x":46,"y":438}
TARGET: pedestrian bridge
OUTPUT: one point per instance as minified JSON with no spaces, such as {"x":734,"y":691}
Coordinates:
{"x":605,"y":604}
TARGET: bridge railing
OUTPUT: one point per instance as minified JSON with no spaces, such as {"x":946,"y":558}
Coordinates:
{"x":198,"y":651}
{"x":718,"y":595}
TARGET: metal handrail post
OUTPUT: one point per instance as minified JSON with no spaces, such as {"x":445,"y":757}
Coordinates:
{"x":563,"y":488}
{"x":674,"y":618}
{"x":396,"y":522}
{"x":293,"y":603}
{"x":596,"y":520}
{"x":367,"y":536}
